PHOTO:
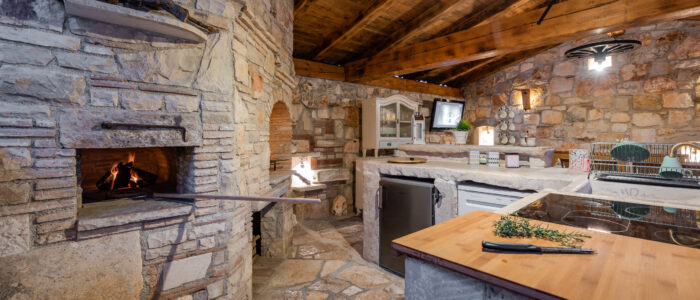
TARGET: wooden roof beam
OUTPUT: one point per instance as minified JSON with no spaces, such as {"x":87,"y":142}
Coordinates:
{"x":366,"y":17}
{"x":501,"y":35}
{"x":320,"y":70}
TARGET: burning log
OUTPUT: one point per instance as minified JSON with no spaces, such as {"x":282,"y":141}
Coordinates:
{"x":125,"y":176}
{"x":169,"y":6}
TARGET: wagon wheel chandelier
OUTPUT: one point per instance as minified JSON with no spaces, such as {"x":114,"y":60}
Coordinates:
{"x":599,"y":53}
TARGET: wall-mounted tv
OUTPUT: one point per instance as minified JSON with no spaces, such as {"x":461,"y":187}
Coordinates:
{"x":446,"y":114}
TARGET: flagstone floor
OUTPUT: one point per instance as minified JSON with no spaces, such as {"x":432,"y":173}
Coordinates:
{"x":325,"y":264}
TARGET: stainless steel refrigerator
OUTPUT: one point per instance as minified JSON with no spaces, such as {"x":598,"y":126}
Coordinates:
{"x":407,"y":206}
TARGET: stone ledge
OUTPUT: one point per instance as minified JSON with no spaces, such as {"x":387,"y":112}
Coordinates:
{"x":114,"y":14}
{"x":464,"y":149}
{"x":125,"y":211}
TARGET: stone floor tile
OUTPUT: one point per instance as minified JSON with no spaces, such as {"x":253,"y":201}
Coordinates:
{"x":365,"y":277}
{"x":372,"y":295}
{"x":314,"y":295}
{"x":352,"y":290}
{"x":330,"y":284}
{"x":293,"y":272}
{"x":322,"y":263}
{"x":331,"y":266}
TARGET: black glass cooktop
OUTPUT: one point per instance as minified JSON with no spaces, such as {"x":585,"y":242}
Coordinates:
{"x":656,"y":223}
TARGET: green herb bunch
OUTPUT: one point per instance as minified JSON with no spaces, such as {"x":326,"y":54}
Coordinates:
{"x":508,"y":226}
{"x":464,"y":126}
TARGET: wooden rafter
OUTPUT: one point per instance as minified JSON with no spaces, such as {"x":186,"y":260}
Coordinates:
{"x":518,"y":33}
{"x":320,"y":70}
{"x":366,"y":17}
{"x":469,"y":70}
{"x":300,"y":6}
{"x":496,"y":64}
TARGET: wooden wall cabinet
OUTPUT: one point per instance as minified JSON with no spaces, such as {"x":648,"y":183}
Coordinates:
{"x":386,"y":122}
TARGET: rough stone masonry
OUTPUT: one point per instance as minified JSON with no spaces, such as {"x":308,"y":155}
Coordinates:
{"x":60,"y":74}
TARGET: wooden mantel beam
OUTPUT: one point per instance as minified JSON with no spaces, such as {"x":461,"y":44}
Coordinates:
{"x":566,"y":21}
{"x":320,"y":70}
{"x":366,"y":17}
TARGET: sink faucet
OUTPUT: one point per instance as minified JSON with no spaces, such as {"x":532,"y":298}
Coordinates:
{"x":671,"y":167}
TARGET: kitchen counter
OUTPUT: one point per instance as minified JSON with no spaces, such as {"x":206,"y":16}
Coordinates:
{"x":447,"y":175}
{"x":446,"y":260}
{"x":539,"y":157}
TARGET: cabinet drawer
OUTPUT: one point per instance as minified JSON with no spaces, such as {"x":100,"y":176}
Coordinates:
{"x":391,"y":144}
{"x":486,"y":198}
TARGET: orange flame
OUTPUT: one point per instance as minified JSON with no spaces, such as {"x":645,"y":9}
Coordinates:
{"x":132,"y":157}
{"x":134,"y":178}
{"x":114,"y":171}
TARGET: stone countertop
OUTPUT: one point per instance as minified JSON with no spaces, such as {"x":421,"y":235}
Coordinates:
{"x":447,"y":175}
{"x":464,"y":149}
{"x":516,"y":178}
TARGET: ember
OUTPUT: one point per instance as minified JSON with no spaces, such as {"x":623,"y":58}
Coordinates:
{"x":125,"y":176}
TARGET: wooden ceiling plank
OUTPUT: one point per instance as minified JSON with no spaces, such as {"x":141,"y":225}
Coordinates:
{"x":571,"y":20}
{"x":411,"y":30}
{"x":314,"y":69}
{"x":482,"y":15}
{"x":300,"y":6}
{"x":366,"y":17}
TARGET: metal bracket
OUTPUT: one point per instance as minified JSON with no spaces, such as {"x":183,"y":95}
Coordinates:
{"x":545,"y":12}
{"x":112,"y":125}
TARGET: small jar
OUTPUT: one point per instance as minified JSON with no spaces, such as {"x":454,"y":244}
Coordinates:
{"x":483,"y":158}
{"x":474,"y":157}
{"x":494,"y":159}
{"x":512,"y":160}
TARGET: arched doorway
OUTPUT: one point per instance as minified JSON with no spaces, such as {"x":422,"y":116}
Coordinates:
{"x":280,"y":137}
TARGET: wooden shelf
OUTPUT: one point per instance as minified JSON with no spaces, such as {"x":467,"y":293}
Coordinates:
{"x":118,"y":15}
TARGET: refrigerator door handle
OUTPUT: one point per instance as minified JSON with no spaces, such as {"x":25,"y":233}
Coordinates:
{"x":377,"y":202}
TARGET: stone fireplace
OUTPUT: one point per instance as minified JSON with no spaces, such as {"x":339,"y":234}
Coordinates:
{"x":94,"y":117}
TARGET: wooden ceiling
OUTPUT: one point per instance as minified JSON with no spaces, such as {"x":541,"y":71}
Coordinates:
{"x":445,"y":44}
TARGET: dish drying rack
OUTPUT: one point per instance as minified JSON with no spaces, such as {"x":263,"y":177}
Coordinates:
{"x":605,"y":167}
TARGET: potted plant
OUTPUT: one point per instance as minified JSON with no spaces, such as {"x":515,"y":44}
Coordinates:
{"x":462,"y":132}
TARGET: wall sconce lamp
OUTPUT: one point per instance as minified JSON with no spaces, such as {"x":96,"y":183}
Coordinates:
{"x":526,"y":99}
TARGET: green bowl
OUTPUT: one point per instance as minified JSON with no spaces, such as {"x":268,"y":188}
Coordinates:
{"x":630,"y":151}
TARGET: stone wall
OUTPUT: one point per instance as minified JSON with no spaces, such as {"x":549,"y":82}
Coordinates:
{"x":55,"y":68}
{"x":650,"y":94}
{"x":327,"y":117}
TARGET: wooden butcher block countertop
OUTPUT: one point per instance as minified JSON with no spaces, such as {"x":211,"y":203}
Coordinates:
{"x":623,"y":268}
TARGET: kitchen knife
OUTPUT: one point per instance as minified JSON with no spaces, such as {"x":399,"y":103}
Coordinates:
{"x":528,"y":248}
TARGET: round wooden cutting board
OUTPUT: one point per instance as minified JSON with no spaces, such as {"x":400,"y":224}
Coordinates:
{"x":407,"y":160}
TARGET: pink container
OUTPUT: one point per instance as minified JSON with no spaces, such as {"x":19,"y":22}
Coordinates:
{"x":512,"y":160}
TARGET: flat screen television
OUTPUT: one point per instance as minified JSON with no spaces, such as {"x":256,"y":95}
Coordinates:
{"x":446,"y":114}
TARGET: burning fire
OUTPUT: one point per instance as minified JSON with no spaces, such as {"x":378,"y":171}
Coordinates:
{"x":133,"y":174}
{"x":134,"y":178}
{"x":114,"y":171}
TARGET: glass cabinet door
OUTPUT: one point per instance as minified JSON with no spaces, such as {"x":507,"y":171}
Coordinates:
{"x":406,"y":113}
{"x":405,"y":121}
{"x":387,"y":120}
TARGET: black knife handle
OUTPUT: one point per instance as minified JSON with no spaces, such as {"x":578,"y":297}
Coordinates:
{"x":511,"y":247}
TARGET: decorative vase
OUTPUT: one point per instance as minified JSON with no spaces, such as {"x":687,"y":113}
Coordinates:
{"x":460,"y":137}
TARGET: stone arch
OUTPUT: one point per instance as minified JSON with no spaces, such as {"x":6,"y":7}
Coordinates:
{"x":280,"y":136}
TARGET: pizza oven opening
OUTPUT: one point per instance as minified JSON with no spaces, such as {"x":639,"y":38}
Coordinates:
{"x":106,"y":174}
